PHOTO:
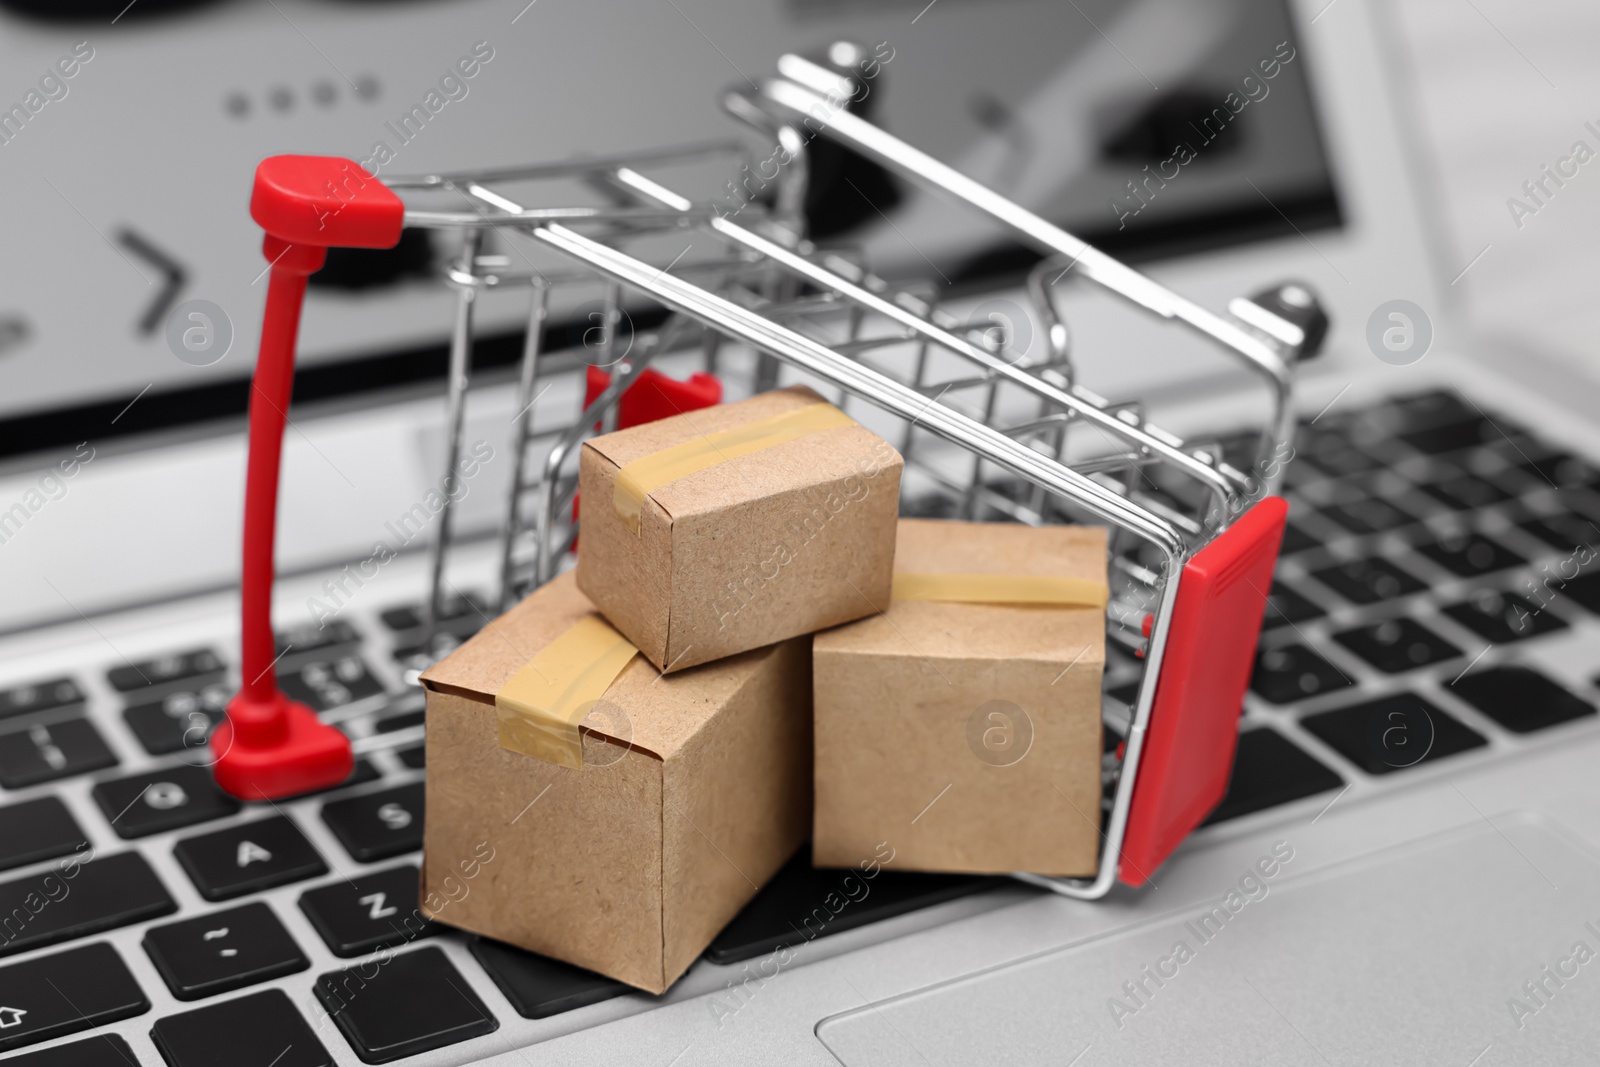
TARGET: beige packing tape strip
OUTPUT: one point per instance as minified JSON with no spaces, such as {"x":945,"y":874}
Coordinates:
{"x":1026,"y":589}
{"x":540,"y":707}
{"x":639,"y":479}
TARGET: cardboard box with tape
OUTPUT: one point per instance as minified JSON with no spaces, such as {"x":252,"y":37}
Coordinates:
{"x":722,"y":530}
{"x":629,"y":815}
{"x":963,"y":725}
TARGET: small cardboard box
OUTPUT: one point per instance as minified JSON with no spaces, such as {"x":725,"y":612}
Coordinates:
{"x":967,"y":734}
{"x":730,"y":528}
{"x":693,"y":790}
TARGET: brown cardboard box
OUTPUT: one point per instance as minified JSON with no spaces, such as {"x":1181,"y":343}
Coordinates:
{"x":967,"y":735}
{"x":694,"y":790}
{"x":752,"y":549}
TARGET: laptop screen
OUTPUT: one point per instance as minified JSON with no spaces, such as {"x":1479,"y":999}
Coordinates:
{"x":1152,"y":128}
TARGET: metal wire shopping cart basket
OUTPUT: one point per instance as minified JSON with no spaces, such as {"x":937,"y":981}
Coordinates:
{"x":986,"y":434}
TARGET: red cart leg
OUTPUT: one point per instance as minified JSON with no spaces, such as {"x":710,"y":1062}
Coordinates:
{"x":271,"y":746}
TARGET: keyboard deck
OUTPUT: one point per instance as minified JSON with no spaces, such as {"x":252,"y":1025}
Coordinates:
{"x":1436,"y":566}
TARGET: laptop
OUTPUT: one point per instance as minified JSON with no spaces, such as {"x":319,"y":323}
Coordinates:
{"x":1404,"y":866}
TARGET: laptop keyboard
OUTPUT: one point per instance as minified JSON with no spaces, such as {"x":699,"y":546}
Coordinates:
{"x":1421,"y":573}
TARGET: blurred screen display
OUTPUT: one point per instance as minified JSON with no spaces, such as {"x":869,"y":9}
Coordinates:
{"x":1149,"y":127}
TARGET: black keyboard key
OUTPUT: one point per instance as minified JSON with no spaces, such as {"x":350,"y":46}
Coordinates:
{"x":1564,"y":531}
{"x":1385,"y":484}
{"x":262,"y":1028}
{"x":37,"y":830}
{"x":325,"y":684}
{"x":786,"y":910}
{"x":1397,"y":645}
{"x":62,"y":994}
{"x":1294,"y":672}
{"x":302,"y":640}
{"x":1295,"y":539}
{"x":180,"y":720}
{"x":1344,"y":460}
{"x":377,"y":910}
{"x":243,"y":859}
{"x":1392,"y":733}
{"x":1414,"y":411}
{"x":1286,"y":607}
{"x":538,"y":986}
{"x":1585,"y":589}
{"x":1332,"y":451}
{"x":39,"y":696}
{"x":414,"y":757}
{"x":462,"y":616}
{"x":1469,"y":431}
{"x":1298,"y":476}
{"x":418,"y":1002}
{"x":378,"y":825}
{"x":1368,"y":581}
{"x":102,"y":1050}
{"x":79,"y":899}
{"x":1269,"y":770}
{"x":162,"y":799}
{"x":406,"y":617}
{"x":1380,"y":445}
{"x":1464,"y":492}
{"x":1514,"y":448}
{"x":1368,"y":516}
{"x":223,"y":951}
{"x":181,"y":666}
{"x":41,"y":753}
{"x":406,"y":720}
{"x":1520,"y":699}
{"x":1469,"y":555}
{"x":1503,"y":617}
{"x":1561,"y":470}
{"x":362,"y":773}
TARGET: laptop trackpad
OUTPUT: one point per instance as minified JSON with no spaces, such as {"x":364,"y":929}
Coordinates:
{"x":1430,"y":953}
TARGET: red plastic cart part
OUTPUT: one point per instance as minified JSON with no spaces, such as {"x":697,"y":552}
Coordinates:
{"x":654,"y":396}
{"x":1194,"y":723}
{"x":271,"y":746}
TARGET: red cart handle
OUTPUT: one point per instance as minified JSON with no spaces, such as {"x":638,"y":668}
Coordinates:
{"x":271,"y":746}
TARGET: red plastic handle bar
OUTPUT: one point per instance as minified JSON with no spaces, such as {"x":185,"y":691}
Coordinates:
{"x":1194,"y":723}
{"x":271,"y":746}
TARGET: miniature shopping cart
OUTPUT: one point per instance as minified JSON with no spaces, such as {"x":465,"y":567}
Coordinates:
{"x":987,"y":433}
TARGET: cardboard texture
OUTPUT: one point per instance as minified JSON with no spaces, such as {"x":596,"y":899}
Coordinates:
{"x":745,"y":552}
{"x":966,"y":735}
{"x":694,"y":790}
